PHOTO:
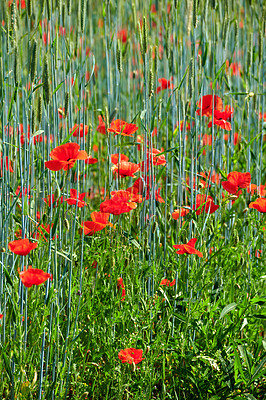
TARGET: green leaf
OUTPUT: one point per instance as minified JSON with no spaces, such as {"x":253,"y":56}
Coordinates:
{"x":58,"y":87}
{"x":227,"y":309}
{"x":258,"y":368}
{"x":220,"y":70}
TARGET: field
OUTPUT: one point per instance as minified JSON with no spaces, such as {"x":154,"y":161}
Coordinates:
{"x":132,"y":199}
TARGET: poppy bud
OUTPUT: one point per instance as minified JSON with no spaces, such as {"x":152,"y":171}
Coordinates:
{"x":2,"y":249}
{"x":57,"y":194}
{"x":66,"y":223}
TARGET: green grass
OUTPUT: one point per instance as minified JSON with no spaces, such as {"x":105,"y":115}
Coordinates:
{"x":203,"y":337}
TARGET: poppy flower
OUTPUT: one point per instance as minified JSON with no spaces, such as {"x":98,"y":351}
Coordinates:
{"x":22,"y":4}
{"x":34,"y":276}
{"x":120,"y":285}
{"x":90,"y":160}
{"x":164,"y":84}
{"x":157,"y":160}
{"x":42,"y":230}
{"x":1,"y":316}
{"x":76,"y":199}
{"x":188,"y":248}
{"x":98,"y":223}
{"x":207,"y":103}
{"x":118,"y":157}
{"x":259,"y":190}
{"x":237,"y":138}
{"x":182,"y":212}
{"x":101,"y":127}
{"x":236,"y":180}
{"x":222,"y":123}
{"x":51,"y":202}
{"x":206,"y":203}
{"x":25,"y":192}
{"x":119,"y":127}
{"x":65,"y":156}
{"x":259,"y":204}
{"x":166,"y":282}
{"x":79,"y":130}
{"x":8,"y":165}
{"x":122,"y":35}
{"x":21,"y":247}
{"x":131,"y":355}
{"x":120,"y":202}
{"x":125,"y":168}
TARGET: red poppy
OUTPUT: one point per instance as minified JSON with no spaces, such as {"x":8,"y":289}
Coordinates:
{"x":207,"y":204}
{"x":98,"y":223}
{"x":120,"y":202}
{"x":42,"y":230}
{"x":125,"y":168}
{"x":34,"y":276}
{"x":259,"y":190}
{"x":1,"y":316}
{"x":188,"y":248}
{"x":236,"y":180}
{"x":79,"y":130}
{"x":237,"y":138}
{"x":264,"y":116}
{"x":122,"y":35}
{"x":21,"y":2}
{"x":51,"y":202}
{"x":164,"y":84}
{"x":182,"y":212}
{"x":101,"y":127}
{"x":205,"y":105}
{"x":8,"y":165}
{"x":25,"y":191}
{"x":259,"y":204}
{"x":120,"y":285}
{"x":166,"y":282}
{"x":131,"y":355}
{"x":21,"y":247}
{"x":157,"y":160}
{"x":119,"y":127}
{"x":222,"y":123}
{"x":115,"y":158}
{"x":65,"y":156}
{"x":90,"y":160}
{"x":76,"y":199}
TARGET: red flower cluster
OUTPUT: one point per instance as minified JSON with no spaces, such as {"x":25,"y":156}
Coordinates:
{"x":76,"y":199}
{"x":182,"y":212}
{"x":259,"y":204}
{"x":120,"y":202}
{"x":209,"y":105}
{"x":79,"y":130}
{"x":165,"y":84}
{"x":166,"y":282}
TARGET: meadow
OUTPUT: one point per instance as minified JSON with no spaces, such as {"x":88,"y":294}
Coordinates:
{"x":133,"y":199}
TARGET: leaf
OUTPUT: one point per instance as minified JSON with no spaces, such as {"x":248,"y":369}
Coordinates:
{"x":259,"y":368}
{"x":227,"y":309}
{"x":39,"y":132}
{"x":58,"y":87}
{"x":220,"y":70}
{"x":244,"y":354}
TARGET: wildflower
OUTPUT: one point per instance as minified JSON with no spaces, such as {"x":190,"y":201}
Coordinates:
{"x":206,"y":203}
{"x":182,"y":212}
{"x":8,"y":165}
{"x":101,"y":127}
{"x":259,"y":204}
{"x":1,"y":316}
{"x":164,"y":84}
{"x":51,"y":201}
{"x":79,"y":130}
{"x":90,"y":160}
{"x":34,"y":276}
{"x":76,"y":199}
{"x":125,"y":168}
{"x":98,"y":223}
{"x":206,"y":103}
{"x":220,"y":120}
{"x":131,"y":355}
{"x":166,"y":282}
{"x":21,"y":247}
{"x":237,"y":138}
{"x":120,"y":202}
{"x":236,"y":180}
{"x":122,"y":35}
{"x":188,"y":248}
{"x":42,"y":230}
{"x":65,"y":156}
{"x":259,"y":190}
{"x":118,"y":157}
{"x":120,"y":285}
{"x":119,"y":127}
